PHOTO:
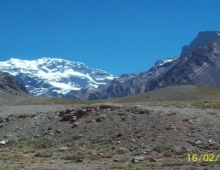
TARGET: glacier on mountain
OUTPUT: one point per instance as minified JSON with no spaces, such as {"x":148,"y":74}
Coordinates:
{"x":45,"y":76}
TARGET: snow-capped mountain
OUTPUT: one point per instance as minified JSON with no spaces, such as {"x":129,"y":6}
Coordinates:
{"x":166,"y":61}
{"x":53,"y":76}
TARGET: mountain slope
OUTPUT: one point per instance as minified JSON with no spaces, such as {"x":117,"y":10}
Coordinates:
{"x":54,"y":77}
{"x":10,"y":89}
{"x":9,"y":84}
{"x":201,"y":67}
{"x":173,"y":93}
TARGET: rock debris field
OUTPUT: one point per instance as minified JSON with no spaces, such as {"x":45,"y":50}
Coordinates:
{"x":108,"y":136}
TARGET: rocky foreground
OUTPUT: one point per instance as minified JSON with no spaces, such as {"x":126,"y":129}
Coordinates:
{"x":109,"y":136}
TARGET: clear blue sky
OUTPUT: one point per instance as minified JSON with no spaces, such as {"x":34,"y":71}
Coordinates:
{"x":118,"y":36}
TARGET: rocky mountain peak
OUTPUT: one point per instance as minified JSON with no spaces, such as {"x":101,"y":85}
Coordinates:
{"x":203,"y":38}
{"x":200,"y":67}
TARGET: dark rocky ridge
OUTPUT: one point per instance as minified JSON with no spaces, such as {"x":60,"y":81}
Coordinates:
{"x":9,"y":84}
{"x":203,"y":38}
{"x":127,"y":84}
{"x":201,"y":67}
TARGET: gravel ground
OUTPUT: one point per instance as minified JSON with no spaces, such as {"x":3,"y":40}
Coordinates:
{"x":109,"y":136}
{"x":27,"y":109}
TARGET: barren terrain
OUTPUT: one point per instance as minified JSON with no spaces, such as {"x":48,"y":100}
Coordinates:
{"x":110,"y":135}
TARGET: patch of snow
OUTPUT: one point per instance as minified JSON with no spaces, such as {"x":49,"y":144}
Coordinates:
{"x":168,"y":60}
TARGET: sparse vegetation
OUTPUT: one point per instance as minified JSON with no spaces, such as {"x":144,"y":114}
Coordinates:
{"x":45,"y":153}
{"x":160,"y":147}
{"x":38,"y":143}
{"x":212,"y":113}
{"x":97,"y":139}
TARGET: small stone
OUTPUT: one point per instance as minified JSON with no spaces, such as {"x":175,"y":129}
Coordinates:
{"x":2,"y":120}
{"x":63,"y":148}
{"x":137,"y":159}
{"x":93,"y":153}
{"x":120,"y":149}
{"x":74,"y":118}
{"x":133,"y":140}
{"x":172,"y":113}
{"x":115,"y":160}
{"x":79,"y":160}
{"x":152,"y":160}
{"x":37,"y":135}
{"x":211,"y":142}
{"x":131,"y":149}
{"x":3,"y":142}
{"x":58,"y":131}
{"x":80,"y":135}
{"x":198,"y":142}
{"x":147,"y":151}
{"x":75,"y":124}
{"x":52,"y":161}
{"x":99,"y":119}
